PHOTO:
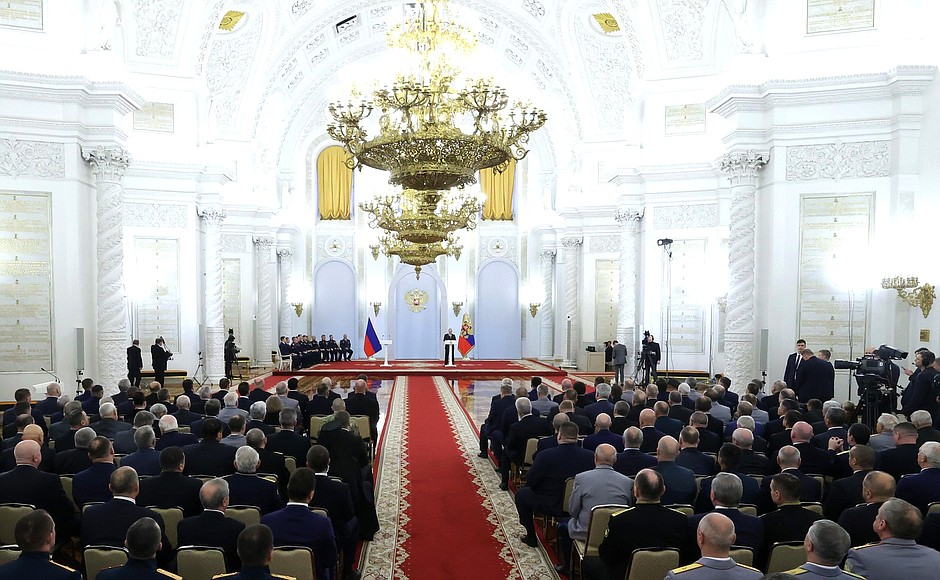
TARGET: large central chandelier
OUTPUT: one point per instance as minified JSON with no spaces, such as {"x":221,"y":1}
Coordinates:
{"x":436,"y":131}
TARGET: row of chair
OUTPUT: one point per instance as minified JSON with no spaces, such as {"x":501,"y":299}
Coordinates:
{"x":362,"y":424}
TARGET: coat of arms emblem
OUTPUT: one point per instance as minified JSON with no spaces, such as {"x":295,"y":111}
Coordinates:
{"x":416,"y":299}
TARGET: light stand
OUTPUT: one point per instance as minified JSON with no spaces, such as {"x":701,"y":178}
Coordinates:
{"x":205,"y":376}
{"x":666,"y":320}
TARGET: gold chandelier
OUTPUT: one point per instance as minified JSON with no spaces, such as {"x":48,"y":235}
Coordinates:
{"x":434,"y":134}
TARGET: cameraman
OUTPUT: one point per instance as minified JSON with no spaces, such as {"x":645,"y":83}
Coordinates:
{"x":912,"y":376}
{"x":230,"y":352}
{"x":922,"y":397}
{"x":651,"y":356}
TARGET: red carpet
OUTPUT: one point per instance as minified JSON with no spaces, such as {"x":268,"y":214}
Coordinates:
{"x":441,"y":511}
{"x":477,"y":369}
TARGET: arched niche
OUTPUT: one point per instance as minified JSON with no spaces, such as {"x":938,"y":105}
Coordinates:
{"x":498,"y":324}
{"x":417,"y":333}
{"x":334,"y":301}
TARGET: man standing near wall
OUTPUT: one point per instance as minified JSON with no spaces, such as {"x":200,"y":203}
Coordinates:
{"x":620,"y":359}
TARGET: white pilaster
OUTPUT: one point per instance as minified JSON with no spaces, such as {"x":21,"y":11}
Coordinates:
{"x":285,"y":310}
{"x":108,"y":165}
{"x":547,"y":260}
{"x":629,"y":220}
{"x":572,"y":256}
{"x":214,"y":355}
{"x":265,"y":339}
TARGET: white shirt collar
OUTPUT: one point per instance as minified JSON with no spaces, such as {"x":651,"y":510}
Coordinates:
{"x":130,"y":499}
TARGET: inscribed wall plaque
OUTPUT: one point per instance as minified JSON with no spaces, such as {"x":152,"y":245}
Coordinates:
{"x":158,"y":303}
{"x":232,"y":294}
{"x":606,"y":293}
{"x":687,"y":315}
{"x":21,"y":14}
{"x":839,"y":15}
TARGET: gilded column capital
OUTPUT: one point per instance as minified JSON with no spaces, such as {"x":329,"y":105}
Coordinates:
{"x":107,"y":162}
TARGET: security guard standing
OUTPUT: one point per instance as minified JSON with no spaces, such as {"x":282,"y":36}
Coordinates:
{"x":35,"y":535}
{"x":715,"y":536}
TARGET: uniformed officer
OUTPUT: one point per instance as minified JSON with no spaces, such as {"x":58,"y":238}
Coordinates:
{"x":715,"y":536}
{"x":143,"y":543}
{"x":897,"y":524}
{"x":255,"y":548}
{"x":35,"y":535}
{"x":826,"y":544}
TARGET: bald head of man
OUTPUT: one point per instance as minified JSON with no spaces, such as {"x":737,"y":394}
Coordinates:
{"x":27,"y":452}
{"x":33,"y":433}
{"x":801,"y":432}
{"x":605,"y":454}
{"x":667,"y":449}
{"x":715,"y":535}
{"x":878,"y":486}
{"x":647,"y":418}
{"x":603,"y":422}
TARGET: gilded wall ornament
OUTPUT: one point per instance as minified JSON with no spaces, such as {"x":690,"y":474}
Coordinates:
{"x":416,"y":299}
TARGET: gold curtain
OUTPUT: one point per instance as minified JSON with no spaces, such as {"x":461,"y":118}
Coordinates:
{"x":335,"y":183}
{"x":498,"y":188}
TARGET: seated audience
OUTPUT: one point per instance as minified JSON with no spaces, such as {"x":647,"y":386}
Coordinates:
{"x":714,"y":536}
{"x":211,"y":527}
{"x":92,"y":484}
{"x":171,"y":436}
{"x":171,"y":488}
{"x":897,"y":524}
{"x":847,"y":492}
{"x":124,"y":441}
{"x":75,"y":459}
{"x":335,"y":498}
{"x":826,"y":545}
{"x":143,"y":541}
{"x":209,"y":456}
{"x":877,"y":488}
{"x":902,"y":459}
{"x":725,"y":493}
{"x":146,"y":460}
{"x":679,"y":481}
{"x":35,"y":535}
{"x":246,"y":487}
{"x":790,"y":521}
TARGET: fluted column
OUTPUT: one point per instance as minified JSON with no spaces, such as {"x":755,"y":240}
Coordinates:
{"x":547,"y":347}
{"x":286,"y":310}
{"x":265,"y":340}
{"x":742,"y":168}
{"x":629,"y":220}
{"x":572,"y":255}
{"x":214,"y":356}
{"x":108,"y":165}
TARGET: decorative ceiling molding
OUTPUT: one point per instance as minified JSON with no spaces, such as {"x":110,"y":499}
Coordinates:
{"x":156,"y":215}
{"x":703,"y":215}
{"x":607,"y":69}
{"x":156,"y":23}
{"x":74,"y":90}
{"x":682,"y":22}
{"x":209,"y":29}
{"x":229,"y":65}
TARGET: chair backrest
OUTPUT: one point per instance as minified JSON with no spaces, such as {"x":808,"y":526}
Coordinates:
{"x":648,"y":563}
{"x":597,"y":526}
{"x":742,"y":555}
{"x":171,"y":519}
{"x":294,"y":561}
{"x":531,"y":446}
{"x":814,"y":506}
{"x":316,"y":423}
{"x":118,"y":457}
{"x":9,"y":553}
{"x":98,"y":558}
{"x":569,"y":487}
{"x":933,"y":507}
{"x":682,"y":508}
{"x":10,"y":513}
{"x":362,"y":423}
{"x":786,"y":556}
{"x":246,"y":514}
{"x":66,"y":481}
{"x":321,"y":511}
{"x":200,"y":562}
{"x":748,"y":508}
{"x":290,"y":463}
{"x":821,"y":479}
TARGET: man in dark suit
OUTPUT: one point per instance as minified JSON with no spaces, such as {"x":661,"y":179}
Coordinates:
{"x":271,"y":462}
{"x":171,"y":435}
{"x":585,"y":427}
{"x":603,"y":434}
{"x":545,"y":482}
{"x":30,"y":433}
{"x":74,"y":460}
{"x":334,"y":497}
{"x":93,"y":484}
{"x":813,"y":460}
{"x":244,"y":401}
{"x":211,"y":527}
{"x":664,"y":423}
{"x":224,"y":384}
{"x":297,"y":525}
{"x":847,"y":492}
{"x":146,"y":460}
{"x":677,"y":410}
{"x":789,"y":460}
{"x":360,"y":403}
{"x":144,"y":540}
{"x":171,"y":488}
{"x":777,"y":425}
{"x":815,"y":378}
{"x":256,"y":414}
{"x":24,"y":396}
{"x":729,"y":457}
{"x":689,"y":455}
{"x":247,"y":488}
{"x":27,"y":484}
{"x":651,"y":435}
{"x":35,"y":535}
{"x":835,"y":427}
{"x":345,"y":348}
{"x":107,"y":524}
{"x":527,"y":427}
{"x":135,"y":363}
{"x":704,"y":405}
{"x":923,"y":488}
{"x":302,"y":399}
{"x":751,"y":462}
{"x":322,"y":401}
{"x":708,"y":441}
{"x":790,"y":521}
{"x":630,"y":528}
{"x":679,"y":481}
{"x":921,"y":397}
{"x":159,"y":355}
{"x":209,"y":456}
{"x":87,"y":384}
{"x":109,"y":426}
{"x":50,"y":405}
{"x":184,"y":414}
{"x":601,"y":404}
{"x":877,"y":488}
{"x":619,"y":421}
{"x":631,"y":460}
{"x":725,"y":493}
{"x":348,"y":457}
{"x":903,"y":458}
{"x":124,"y":441}
{"x":793,"y":363}
{"x":287,"y":440}
{"x":491,"y":425}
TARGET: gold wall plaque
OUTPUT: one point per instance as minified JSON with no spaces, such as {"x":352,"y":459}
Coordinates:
{"x":925,"y":335}
{"x":607,"y":22}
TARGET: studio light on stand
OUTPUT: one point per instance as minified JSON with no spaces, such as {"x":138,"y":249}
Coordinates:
{"x":666,"y":314}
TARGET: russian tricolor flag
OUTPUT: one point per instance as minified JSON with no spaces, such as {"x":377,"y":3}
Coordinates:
{"x":371,"y":344}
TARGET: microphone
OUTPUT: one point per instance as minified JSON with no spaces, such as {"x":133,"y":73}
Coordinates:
{"x":50,"y":374}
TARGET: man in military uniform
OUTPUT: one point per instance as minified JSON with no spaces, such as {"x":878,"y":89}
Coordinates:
{"x":143,"y":543}
{"x":897,"y":524}
{"x":715,"y":536}
{"x":825,"y":545}
{"x":35,"y":535}
{"x":255,"y":548}
{"x":345,"y":348}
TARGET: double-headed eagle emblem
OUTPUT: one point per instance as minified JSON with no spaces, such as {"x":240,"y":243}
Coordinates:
{"x":416,"y":299}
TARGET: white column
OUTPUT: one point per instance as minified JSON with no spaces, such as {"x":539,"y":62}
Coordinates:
{"x":108,"y":165}
{"x":285,"y":310}
{"x":742,"y":168}
{"x":572,"y":254}
{"x":547,"y":347}
{"x":265,"y":338}
{"x":629,"y":220}
{"x":214,"y":355}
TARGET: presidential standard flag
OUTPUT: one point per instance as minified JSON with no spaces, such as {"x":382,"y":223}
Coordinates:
{"x":466,"y":341}
{"x":371,"y":344}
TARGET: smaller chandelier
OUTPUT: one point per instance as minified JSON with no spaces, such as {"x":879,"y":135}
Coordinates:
{"x":418,"y":255}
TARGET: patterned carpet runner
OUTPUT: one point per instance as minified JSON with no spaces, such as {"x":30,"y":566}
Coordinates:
{"x":440,"y":507}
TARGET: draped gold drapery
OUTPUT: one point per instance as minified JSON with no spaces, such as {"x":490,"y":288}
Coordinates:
{"x":334,"y":181}
{"x":498,"y":189}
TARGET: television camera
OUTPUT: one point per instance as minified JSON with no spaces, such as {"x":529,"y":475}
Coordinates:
{"x":877,"y":380}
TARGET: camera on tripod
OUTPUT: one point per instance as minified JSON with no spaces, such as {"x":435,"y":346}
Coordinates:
{"x":873,"y":376}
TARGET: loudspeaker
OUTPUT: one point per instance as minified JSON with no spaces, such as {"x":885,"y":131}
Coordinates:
{"x":80,"y":349}
{"x":764,"y":347}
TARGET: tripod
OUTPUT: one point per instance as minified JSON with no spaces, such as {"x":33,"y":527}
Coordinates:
{"x":205,"y":376}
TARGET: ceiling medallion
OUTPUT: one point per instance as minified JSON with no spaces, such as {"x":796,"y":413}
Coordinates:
{"x":436,"y":130}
